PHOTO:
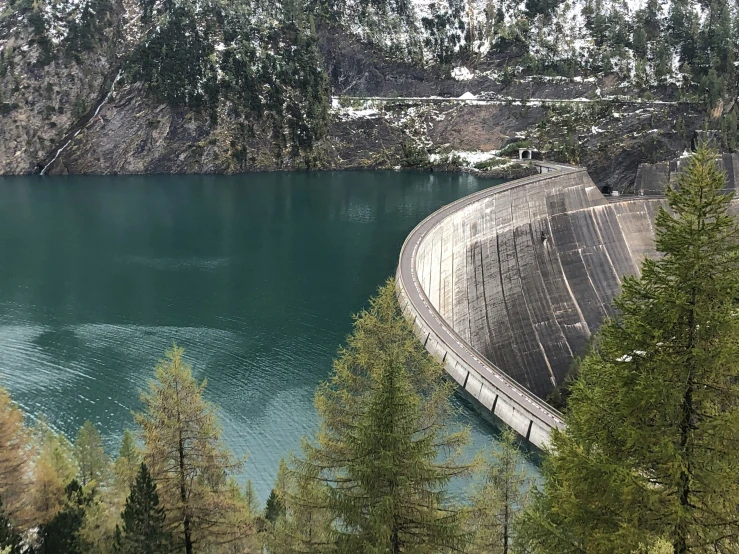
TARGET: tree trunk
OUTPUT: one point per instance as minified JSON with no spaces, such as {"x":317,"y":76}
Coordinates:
{"x":506,"y":539}
{"x":680,"y":544}
{"x":183,"y":498}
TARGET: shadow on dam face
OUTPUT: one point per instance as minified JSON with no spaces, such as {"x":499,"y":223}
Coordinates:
{"x":525,"y":274}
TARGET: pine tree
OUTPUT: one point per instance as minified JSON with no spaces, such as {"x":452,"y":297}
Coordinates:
{"x":274,"y":508}
{"x":651,"y":448}
{"x":640,"y":42}
{"x":143,"y":530}
{"x":187,"y":458}
{"x":62,"y":533}
{"x":92,"y":461}
{"x":497,"y":504}
{"x":683,"y":30}
{"x":380,"y":446}
{"x":663,"y":62}
{"x":16,"y":452}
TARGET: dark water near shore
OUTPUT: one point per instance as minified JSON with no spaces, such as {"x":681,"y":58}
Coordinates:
{"x":255,"y":276}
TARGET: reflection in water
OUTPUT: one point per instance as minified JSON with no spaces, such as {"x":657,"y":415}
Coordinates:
{"x":255,"y":276}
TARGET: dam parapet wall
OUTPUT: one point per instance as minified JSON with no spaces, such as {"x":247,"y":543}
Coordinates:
{"x":507,"y":285}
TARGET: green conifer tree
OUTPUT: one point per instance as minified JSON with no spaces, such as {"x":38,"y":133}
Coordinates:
{"x":651,"y":448}
{"x":498,"y":502}
{"x":383,"y":456}
{"x":143,"y":530}
{"x":62,"y":533}
{"x":274,"y":508}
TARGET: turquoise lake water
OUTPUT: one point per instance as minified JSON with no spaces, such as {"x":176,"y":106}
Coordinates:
{"x":256,"y":276}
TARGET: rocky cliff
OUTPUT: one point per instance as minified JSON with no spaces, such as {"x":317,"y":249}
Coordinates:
{"x":103,"y":93}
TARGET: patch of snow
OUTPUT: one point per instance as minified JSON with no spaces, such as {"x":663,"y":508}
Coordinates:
{"x":461,"y":74}
{"x":468,"y":96}
{"x":358,"y":113}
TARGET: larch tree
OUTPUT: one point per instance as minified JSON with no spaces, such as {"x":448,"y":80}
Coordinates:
{"x":301,"y":521}
{"x":92,"y":461}
{"x":187,"y":458}
{"x":500,"y":499}
{"x":16,"y":453}
{"x":651,"y":448}
{"x":378,"y":468}
{"x":54,"y":469}
{"x":97,"y":532}
{"x":102,"y":515}
{"x":127,"y":465}
{"x":144,"y":529}
{"x":239,"y":531}
{"x":251,"y":500}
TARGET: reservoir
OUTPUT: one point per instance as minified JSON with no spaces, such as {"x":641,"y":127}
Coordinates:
{"x":256,"y":276}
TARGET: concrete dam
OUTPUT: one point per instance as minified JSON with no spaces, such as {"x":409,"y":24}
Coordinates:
{"x":506,"y":286}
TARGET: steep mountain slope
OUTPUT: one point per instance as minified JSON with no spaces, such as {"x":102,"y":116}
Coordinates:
{"x":145,"y":86}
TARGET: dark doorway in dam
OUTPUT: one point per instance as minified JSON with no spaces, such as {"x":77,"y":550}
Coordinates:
{"x":606,"y":190}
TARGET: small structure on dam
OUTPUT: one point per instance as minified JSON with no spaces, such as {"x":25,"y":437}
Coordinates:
{"x":507,"y":285}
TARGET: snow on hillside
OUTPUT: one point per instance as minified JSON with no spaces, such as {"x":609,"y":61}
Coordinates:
{"x":563,"y":37}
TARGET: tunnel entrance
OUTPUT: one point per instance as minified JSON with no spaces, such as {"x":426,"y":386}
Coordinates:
{"x":524,"y":154}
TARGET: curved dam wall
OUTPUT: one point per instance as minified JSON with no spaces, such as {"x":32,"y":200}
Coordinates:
{"x":505,"y":286}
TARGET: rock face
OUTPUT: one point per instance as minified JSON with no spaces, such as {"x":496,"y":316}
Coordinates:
{"x":41,"y":103}
{"x":132,"y":134}
{"x":57,"y":110}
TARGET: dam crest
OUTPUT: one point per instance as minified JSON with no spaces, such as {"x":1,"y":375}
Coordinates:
{"x":506,"y":286}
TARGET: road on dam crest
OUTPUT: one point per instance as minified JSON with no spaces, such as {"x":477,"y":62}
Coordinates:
{"x":506,"y":286}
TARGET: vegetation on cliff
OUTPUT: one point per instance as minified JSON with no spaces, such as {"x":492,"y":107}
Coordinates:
{"x":255,"y":78}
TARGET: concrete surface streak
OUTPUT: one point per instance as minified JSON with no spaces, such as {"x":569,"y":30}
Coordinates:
{"x":505,"y":286}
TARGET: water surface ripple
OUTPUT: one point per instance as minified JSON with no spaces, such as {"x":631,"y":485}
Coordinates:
{"x":256,"y":276}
